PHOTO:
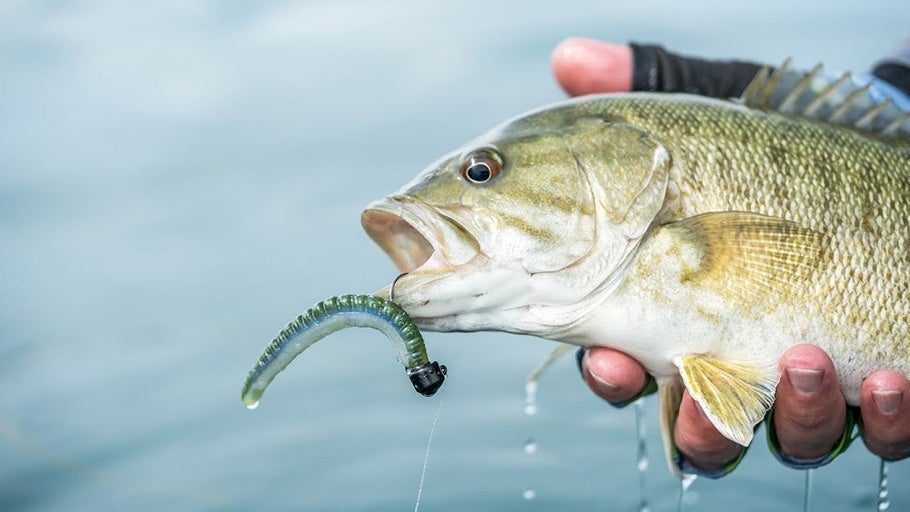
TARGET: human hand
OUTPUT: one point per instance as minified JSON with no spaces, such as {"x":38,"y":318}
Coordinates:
{"x":810,"y":414}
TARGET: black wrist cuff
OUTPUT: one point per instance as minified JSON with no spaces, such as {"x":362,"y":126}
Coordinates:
{"x":657,"y":70}
{"x":895,"y":74}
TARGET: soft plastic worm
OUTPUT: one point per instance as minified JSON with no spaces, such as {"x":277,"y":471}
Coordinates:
{"x":338,"y":313}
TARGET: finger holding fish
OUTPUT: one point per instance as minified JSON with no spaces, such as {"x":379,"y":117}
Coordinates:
{"x":809,"y":412}
{"x":699,"y":443}
{"x":612,"y":375}
{"x":618,"y":378}
{"x":885,"y":406}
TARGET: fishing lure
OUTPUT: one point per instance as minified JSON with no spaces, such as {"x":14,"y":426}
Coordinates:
{"x":338,"y":313}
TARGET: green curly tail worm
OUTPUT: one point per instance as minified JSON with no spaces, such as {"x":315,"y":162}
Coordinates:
{"x":338,"y":313}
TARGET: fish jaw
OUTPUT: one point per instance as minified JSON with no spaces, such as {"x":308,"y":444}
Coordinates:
{"x":447,"y":284}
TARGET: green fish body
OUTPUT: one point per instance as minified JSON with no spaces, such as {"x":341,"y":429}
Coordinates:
{"x":702,"y":237}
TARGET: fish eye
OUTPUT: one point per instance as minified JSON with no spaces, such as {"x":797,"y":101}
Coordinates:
{"x":481,"y":167}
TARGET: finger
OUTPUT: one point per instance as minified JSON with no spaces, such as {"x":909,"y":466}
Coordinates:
{"x":885,"y":408}
{"x":809,"y":411}
{"x":612,"y":375}
{"x":698,"y":441}
{"x":586,"y":66}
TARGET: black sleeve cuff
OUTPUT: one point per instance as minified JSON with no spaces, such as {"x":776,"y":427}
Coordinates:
{"x":657,"y":70}
{"x":895,"y":74}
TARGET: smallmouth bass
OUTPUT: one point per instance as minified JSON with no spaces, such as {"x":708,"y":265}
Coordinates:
{"x":702,"y":237}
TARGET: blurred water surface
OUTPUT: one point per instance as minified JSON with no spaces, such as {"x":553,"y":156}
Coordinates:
{"x":179,"y":179}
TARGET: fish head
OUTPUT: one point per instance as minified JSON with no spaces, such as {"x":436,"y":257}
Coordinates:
{"x":521,"y":227}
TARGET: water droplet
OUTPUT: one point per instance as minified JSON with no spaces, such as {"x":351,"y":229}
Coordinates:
{"x":687,"y":481}
{"x":643,"y":464}
{"x":530,"y":447}
{"x":691,"y":498}
{"x":530,"y":398}
{"x":529,"y":494}
{"x":641,"y":432}
{"x":883,"y":502}
{"x":253,"y":405}
{"x":686,"y":496}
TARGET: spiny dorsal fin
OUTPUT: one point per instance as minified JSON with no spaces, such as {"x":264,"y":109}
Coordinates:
{"x":814,"y":95}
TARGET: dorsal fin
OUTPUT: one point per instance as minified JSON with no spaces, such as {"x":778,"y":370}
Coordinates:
{"x":835,"y":100}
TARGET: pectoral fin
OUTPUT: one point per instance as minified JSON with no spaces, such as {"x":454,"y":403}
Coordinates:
{"x":746,"y":256}
{"x":734,"y":395}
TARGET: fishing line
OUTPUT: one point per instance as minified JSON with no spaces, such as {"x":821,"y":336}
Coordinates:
{"x":426,"y":456}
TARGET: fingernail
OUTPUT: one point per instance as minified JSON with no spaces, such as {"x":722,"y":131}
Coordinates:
{"x":887,"y":401}
{"x":604,"y":385}
{"x":804,"y":380}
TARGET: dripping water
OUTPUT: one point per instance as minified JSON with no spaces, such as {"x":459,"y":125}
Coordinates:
{"x":641,"y":454}
{"x":530,"y":447}
{"x":684,"y":496}
{"x":807,"y":490}
{"x":530,"y":407}
{"x":530,"y":397}
{"x":883,"y":502}
{"x":426,"y":455}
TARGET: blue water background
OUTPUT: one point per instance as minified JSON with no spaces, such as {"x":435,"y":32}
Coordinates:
{"x":179,"y":179}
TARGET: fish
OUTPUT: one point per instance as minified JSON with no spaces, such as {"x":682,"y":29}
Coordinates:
{"x":703,"y":237}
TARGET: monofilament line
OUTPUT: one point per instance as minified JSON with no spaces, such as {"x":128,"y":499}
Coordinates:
{"x":426,"y":456}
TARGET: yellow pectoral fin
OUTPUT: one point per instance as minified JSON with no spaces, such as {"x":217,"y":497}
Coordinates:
{"x":669,"y":395}
{"x":734,"y":395}
{"x":749,"y":257}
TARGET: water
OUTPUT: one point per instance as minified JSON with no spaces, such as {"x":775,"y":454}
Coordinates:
{"x":807,"y":493}
{"x":180,"y":178}
{"x":884,"y":501}
{"x":687,"y":497}
{"x":641,"y":454}
{"x":530,"y":407}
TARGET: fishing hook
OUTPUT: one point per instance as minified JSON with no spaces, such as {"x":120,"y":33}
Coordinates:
{"x":392,"y":288}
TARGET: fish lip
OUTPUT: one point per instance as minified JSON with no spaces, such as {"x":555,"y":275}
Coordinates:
{"x":417,"y":236}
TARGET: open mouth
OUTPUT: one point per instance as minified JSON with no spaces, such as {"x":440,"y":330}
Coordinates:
{"x":408,"y":248}
{"x":416,"y":236}
{"x":451,"y":285}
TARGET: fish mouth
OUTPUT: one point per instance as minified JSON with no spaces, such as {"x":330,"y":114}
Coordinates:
{"x":419,"y":238}
{"x":449,"y":284}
